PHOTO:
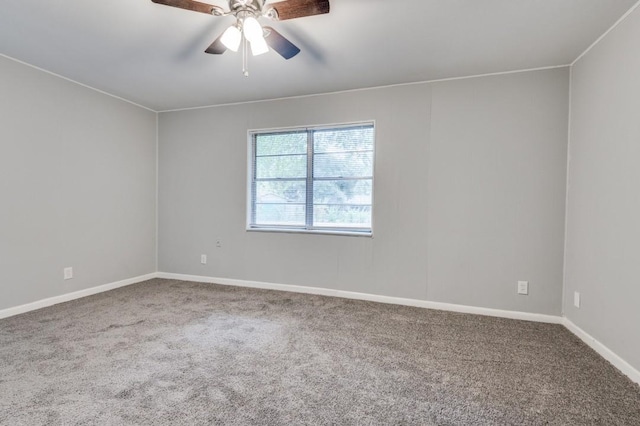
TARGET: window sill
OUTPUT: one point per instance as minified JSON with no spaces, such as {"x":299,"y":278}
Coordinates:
{"x":368,"y":234}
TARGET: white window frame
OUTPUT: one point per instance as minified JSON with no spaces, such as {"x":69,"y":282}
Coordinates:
{"x":252,"y":133}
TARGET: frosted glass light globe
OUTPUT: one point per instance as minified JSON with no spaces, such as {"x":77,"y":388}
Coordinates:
{"x":259,"y":46}
{"x":231,"y":38}
{"x":252,"y":29}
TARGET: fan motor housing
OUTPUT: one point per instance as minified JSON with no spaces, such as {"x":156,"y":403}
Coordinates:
{"x":254,"y":6}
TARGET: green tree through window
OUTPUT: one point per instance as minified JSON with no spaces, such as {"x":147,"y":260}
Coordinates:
{"x":313,"y":179}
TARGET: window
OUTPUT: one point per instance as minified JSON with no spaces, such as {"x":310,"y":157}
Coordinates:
{"x":313,"y":179}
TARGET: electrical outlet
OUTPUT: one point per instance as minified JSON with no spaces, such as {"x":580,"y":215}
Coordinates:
{"x":68,"y":273}
{"x":576,"y":299}
{"x":218,"y":243}
{"x":203,"y":259}
{"x":523,"y":287}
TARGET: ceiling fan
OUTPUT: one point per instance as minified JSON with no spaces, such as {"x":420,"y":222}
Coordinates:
{"x":247,"y":31}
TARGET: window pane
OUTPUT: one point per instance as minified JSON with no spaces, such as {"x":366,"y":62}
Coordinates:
{"x":287,"y":166}
{"x":340,"y":140}
{"x":279,"y":192}
{"x":281,"y":143}
{"x":341,"y":180}
{"x":343,"y":164}
{"x":280,"y":214}
{"x":342,"y":192}
{"x":336,"y":216}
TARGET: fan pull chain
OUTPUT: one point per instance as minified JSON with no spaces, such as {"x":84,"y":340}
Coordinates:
{"x":245,"y":57}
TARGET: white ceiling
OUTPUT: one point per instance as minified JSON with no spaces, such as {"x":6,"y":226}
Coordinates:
{"x":153,"y":55}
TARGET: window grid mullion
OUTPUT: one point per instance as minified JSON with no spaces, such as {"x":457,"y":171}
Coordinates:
{"x":342,"y":178}
{"x":293,"y":179}
{"x":283,"y":155}
{"x":309,"y":200}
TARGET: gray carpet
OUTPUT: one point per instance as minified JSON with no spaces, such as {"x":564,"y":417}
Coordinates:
{"x":180,"y":353}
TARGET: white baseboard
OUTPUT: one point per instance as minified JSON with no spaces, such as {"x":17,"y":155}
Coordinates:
{"x":9,"y":312}
{"x":622,"y":365}
{"x":601,"y":349}
{"x":370,"y":297}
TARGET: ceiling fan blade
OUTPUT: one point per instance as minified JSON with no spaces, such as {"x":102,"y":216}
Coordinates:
{"x":188,"y":5}
{"x":280,"y":44}
{"x":290,"y":9}
{"x":216,"y":48}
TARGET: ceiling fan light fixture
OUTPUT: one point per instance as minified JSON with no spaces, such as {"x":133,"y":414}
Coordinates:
{"x":247,"y":32}
{"x":259,"y":46}
{"x":231,"y":38}
{"x":252,"y":29}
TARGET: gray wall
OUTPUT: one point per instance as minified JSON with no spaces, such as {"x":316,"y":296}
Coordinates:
{"x":469,"y":196}
{"x":77,"y":186}
{"x":603,"y":216}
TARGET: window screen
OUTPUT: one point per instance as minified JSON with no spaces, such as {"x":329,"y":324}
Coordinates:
{"x":316,"y":179}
